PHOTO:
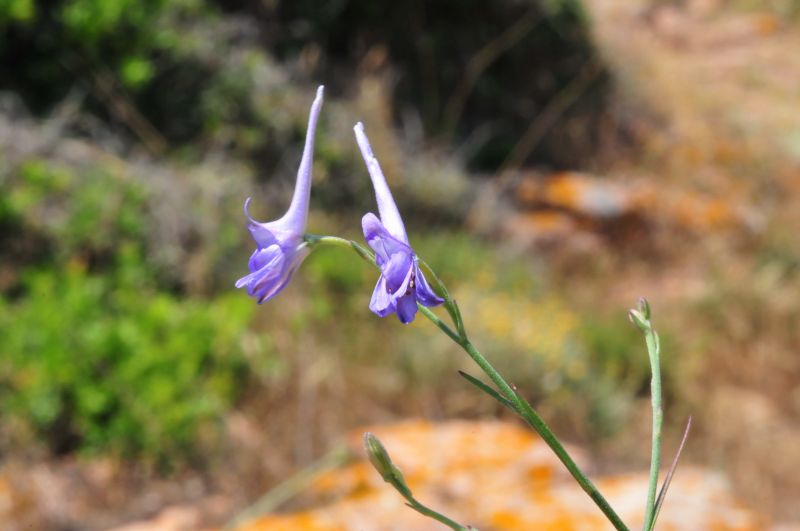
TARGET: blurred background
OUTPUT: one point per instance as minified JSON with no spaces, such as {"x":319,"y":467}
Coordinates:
{"x":554,"y":160}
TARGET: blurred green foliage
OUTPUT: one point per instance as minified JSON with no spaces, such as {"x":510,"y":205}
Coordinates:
{"x":119,"y":328}
{"x":618,"y":350}
{"x":91,"y":213}
{"x":140,"y":63}
{"x":474,"y":67}
{"x":185,"y":66}
{"x":98,"y":354}
{"x":103,"y":352}
{"x":17,"y":11}
{"x":103,"y":363}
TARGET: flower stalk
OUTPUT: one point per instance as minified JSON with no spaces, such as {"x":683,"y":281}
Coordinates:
{"x":641,"y":318}
{"x":403,"y":289}
{"x":392,"y":475}
{"x":517,"y":404}
{"x":522,"y":408}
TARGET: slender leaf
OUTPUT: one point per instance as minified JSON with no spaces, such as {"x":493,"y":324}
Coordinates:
{"x":667,"y":480}
{"x":488,"y":390}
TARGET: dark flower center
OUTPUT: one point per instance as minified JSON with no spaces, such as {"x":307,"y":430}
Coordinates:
{"x":410,"y":284}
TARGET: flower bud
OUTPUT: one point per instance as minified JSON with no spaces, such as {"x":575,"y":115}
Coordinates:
{"x":638,"y":318}
{"x":644,"y":308}
{"x":380,"y":459}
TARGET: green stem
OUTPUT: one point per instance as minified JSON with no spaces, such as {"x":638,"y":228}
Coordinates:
{"x":430,"y":513}
{"x":521,"y":406}
{"x":432,"y":317}
{"x":654,"y":353}
{"x":382,"y":462}
{"x":532,"y":418}
{"x":449,"y":303}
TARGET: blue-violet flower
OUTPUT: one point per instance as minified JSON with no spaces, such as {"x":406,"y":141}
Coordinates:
{"x":401,"y":284}
{"x":280,"y":244}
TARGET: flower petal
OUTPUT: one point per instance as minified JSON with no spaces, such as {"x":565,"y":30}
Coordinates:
{"x":387,"y":208}
{"x":263,"y":236}
{"x":382,"y":302}
{"x":297,"y":214}
{"x":404,"y":287}
{"x":407,"y":308}
{"x":425,"y":295}
{"x":289,"y":269}
{"x":381,"y":241}
{"x":281,"y":249}
{"x":262,"y":279}
{"x":397,"y":272}
{"x":261,"y":257}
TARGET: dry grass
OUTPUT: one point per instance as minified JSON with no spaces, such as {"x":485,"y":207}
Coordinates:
{"x":723,"y":83}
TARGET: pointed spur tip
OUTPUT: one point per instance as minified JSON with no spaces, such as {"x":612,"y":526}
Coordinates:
{"x":316,"y":105}
{"x":247,"y":209}
{"x":363,"y":144}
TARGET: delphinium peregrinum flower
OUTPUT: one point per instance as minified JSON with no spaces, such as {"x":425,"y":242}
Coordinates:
{"x":401,"y":284}
{"x":281,"y":246}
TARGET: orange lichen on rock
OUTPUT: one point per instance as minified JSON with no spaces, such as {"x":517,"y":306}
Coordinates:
{"x":699,"y":213}
{"x":457,"y":446}
{"x":496,"y":476}
{"x":564,"y":202}
{"x":541,"y":224}
{"x":292,"y":522}
{"x":351,"y":480}
{"x":577,"y":192}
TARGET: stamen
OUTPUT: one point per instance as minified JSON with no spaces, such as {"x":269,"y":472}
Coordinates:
{"x":411,"y":283}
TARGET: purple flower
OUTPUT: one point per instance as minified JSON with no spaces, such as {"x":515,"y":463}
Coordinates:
{"x":401,"y":284}
{"x":281,"y":246}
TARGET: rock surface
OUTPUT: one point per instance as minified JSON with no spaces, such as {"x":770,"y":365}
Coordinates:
{"x":497,"y":476}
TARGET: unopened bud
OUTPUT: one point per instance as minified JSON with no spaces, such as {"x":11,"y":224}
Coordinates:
{"x":380,"y":459}
{"x":639,"y":320}
{"x":377,"y":455}
{"x":644,"y":308}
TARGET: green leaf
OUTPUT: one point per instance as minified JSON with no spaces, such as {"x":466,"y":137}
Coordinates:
{"x":136,"y":71}
{"x":488,"y":390}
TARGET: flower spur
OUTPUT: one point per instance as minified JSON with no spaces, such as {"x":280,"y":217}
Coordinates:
{"x":402,"y":283}
{"x":281,"y":246}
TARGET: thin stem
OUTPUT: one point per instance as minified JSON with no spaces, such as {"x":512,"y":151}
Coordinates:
{"x":538,"y":424}
{"x":521,"y":406}
{"x":427,"y":312}
{"x":314,"y":239}
{"x":491,"y":391}
{"x":430,"y":513}
{"x":450,"y":303}
{"x":382,"y":462}
{"x":654,"y":353}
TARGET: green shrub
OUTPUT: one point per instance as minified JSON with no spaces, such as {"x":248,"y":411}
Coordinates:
{"x":146,"y":58}
{"x":107,"y":364}
{"x":85,"y":211}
